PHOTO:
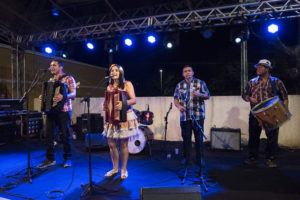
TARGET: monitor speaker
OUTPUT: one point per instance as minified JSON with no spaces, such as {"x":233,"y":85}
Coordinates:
{"x":171,"y":193}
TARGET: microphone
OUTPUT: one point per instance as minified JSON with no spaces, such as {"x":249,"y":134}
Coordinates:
{"x":44,"y":69}
{"x":110,"y":76}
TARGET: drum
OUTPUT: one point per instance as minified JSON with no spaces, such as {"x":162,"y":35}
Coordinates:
{"x":271,"y":113}
{"x":137,"y":143}
{"x":147,"y":117}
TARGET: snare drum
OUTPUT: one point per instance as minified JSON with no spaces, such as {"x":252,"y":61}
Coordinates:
{"x":137,"y":143}
{"x":271,"y":113}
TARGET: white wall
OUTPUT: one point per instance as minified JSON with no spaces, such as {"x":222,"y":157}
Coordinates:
{"x":221,"y":111}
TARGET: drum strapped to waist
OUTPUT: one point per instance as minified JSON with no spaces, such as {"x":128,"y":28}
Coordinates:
{"x":51,"y":89}
{"x":137,"y":143}
{"x":111,"y":99}
{"x":270,"y":113}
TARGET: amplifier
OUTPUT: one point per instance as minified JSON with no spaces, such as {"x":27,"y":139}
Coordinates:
{"x":96,"y":121}
{"x":225,"y":138}
{"x":14,"y":124}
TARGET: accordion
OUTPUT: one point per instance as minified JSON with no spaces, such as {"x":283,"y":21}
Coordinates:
{"x":111,"y":98}
{"x":50,"y":90}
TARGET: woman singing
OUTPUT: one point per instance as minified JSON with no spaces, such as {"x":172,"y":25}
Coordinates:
{"x":120,"y":131}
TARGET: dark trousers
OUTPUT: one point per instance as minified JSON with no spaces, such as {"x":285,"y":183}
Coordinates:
{"x":187,"y":127}
{"x":254,"y":139}
{"x":54,"y":122}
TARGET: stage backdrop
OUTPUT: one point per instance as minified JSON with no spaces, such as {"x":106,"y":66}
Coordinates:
{"x":221,"y":111}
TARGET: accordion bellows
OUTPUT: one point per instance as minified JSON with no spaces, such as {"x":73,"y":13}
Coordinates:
{"x":111,"y":114}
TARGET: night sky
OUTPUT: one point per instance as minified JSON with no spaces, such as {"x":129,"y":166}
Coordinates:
{"x":215,"y":60}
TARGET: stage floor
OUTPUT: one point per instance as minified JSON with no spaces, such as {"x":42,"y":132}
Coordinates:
{"x":224,"y":173}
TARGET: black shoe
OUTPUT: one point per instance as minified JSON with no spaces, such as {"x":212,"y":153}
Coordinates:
{"x":251,"y":161}
{"x":67,"y":163}
{"x":46,"y":163}
{"x":271,"y":163}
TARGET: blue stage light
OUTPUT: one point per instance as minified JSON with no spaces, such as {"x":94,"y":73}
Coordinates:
{"x":128,"y":42}
{"x":90,"y":45}
{"x":55,"y":12}
{"x":273,"y":28}
{"x":48,"y":50}
{"x":151,"y":39}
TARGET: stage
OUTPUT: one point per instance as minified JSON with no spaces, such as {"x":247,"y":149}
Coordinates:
{"x":224,"y":173}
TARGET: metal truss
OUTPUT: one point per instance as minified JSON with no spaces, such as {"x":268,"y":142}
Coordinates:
{"x":217,"y":16}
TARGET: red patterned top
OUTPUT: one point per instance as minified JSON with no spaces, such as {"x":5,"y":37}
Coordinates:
{"x":260,"y":91}
{"x":70,"y":81}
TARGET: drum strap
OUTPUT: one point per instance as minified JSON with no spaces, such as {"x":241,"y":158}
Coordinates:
{"x":273,"y":86}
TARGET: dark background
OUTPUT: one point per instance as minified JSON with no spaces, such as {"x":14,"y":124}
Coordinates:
{"x":216,"y":60}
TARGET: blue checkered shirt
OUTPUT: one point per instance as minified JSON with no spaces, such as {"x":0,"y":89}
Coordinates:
{"x":195,"y":105}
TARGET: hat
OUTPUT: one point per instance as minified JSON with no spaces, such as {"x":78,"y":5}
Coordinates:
{"x":264,"y":62}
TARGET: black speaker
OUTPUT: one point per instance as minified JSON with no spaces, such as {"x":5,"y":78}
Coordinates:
{"x":171,"y":193}
{"x":96,"y":121}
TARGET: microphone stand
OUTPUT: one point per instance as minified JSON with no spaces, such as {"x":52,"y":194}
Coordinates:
{"x":166,"y":126}
{"x":25,"y":98}
{"x":194,"y":123}
{"x":88,"y":189}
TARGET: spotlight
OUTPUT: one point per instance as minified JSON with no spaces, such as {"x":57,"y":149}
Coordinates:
{"x":151,"y":39}
{"x":238,"y":39}
{"x":207,"y":33}
{"x":64,"y":55}
{"x":238,"y":35}
{"x":273,"y":28}
{"x":48,"y":50}
{"x":90,"y":45}
{"x":111,"y":45}
{"x":128,"y":42}
{"x":55,"y":12}
{"x":169,"y":45}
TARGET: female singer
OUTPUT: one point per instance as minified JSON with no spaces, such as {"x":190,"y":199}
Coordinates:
{"x":120,"y":131}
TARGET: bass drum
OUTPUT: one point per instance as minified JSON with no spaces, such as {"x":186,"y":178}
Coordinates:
{"x":137,"y":143}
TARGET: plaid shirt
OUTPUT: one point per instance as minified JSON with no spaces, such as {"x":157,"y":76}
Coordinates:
{"x":195,"y":104}
{"x":70,"y":81}
{"x":256,"y":89}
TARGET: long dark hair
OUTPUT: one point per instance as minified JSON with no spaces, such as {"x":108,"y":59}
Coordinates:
{"x":121,"y":75}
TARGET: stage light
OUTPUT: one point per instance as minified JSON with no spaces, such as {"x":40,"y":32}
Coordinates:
{"x":48,"y":50}
{"x":90,"y":45}
{"x":207,"y":33}
{"x":55,"y":12}
{"x":128,"y":42}
{"x":151,"y":39}
{"x":169,"y":45}
{"x":111,"y":45}
{"x":273,"y":28}
{"x":237,"y":40}
{"x":64,"y":55}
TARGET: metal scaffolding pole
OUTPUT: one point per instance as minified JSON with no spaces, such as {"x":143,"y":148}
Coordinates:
{"x":244,"y":65}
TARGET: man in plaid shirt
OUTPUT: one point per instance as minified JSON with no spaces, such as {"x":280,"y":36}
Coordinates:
{"x":257,"y":90}
{"x":60,"y":119}
{"x":189,"y":98}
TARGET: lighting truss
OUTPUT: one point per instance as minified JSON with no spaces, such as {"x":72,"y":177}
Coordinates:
{"x":216,"y":16}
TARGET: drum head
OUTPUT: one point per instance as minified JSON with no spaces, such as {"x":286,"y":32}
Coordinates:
{"x":137,"y":143}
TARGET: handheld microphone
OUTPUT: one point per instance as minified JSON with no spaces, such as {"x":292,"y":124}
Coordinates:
{"x":110,"y":76}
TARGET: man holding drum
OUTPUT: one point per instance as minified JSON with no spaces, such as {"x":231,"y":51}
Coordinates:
{"x":258,"y":90}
